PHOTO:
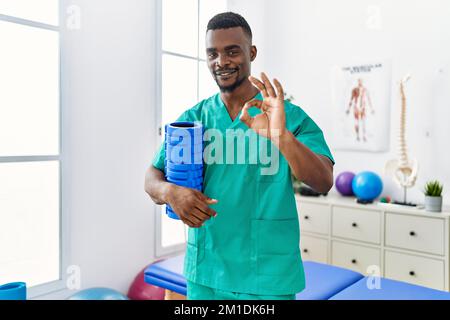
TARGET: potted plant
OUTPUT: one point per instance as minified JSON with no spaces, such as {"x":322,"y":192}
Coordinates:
{"x":433,"y":196}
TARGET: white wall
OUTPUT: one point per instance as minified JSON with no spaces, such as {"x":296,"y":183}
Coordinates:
{"x":108,"y":85}
{"x":305,"y":38}
{"x":254,"y":11}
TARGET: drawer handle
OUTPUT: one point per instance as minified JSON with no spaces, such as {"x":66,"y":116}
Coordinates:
{"x":306,"y":217}
{"x":412,"y":233}
{"x":354,"y":261}
{"x":412,"y":273}
{"x":305,"y":250}
{"x":354,"y":224}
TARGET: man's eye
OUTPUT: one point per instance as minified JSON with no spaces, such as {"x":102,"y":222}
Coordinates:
{"x":233,"y":53}
{"x":212,"y":55}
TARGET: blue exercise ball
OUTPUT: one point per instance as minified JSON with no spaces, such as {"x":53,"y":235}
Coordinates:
{"x":13,"y":291}
{"x":98,"y":294}
{"x":367,"y":186}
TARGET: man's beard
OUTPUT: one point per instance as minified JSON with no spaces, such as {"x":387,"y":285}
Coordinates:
{"x":232,"y":87}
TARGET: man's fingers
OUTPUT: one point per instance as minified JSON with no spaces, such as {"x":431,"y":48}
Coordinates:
{"x":200,"y":215}
{"x":204,"y":198}
{"x":280,"y":91}
{"x":245,"y":116}
{"x":195,"y":217}
{"x":203,"y":202}
{"x":206,"y":210}
{"x":259,"y":85}
{"x":268,"y":85}
{"x":188,"y":222}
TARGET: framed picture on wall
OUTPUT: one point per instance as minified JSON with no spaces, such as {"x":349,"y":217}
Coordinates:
{"x":361,"y":97}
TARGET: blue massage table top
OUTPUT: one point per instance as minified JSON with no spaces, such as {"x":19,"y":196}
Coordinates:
{"x":389,"y":290}
{"x":167,"y":274}
{"x":327,"y":280}
{"x":324,"y":280}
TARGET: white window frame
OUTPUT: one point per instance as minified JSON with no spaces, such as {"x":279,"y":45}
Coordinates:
{"x":161,"y":251}
{"x":60,"y":284}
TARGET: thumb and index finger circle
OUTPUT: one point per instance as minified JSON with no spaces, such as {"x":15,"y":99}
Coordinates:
{"x":245,"y":116}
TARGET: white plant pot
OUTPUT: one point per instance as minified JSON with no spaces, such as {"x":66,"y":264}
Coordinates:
{"x":433,"y":204}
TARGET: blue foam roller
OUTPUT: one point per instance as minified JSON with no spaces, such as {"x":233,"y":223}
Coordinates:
{"x":184,"y":175}
{"x":183,"y":123}
{"x":182,"y":141}
{"x":171,"y":214}
{"x":182,"y":167}
{"x":175,"y":128}
{"x":13,"y":291}
{"x":184,"y":156}
{"x":186,"y":183}
{"x":180,"y":151}
{"x":195,"y":159}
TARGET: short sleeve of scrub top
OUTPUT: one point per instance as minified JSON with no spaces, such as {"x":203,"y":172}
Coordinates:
{"x":308,"y":132}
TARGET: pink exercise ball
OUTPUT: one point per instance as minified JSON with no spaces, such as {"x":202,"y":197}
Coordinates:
{"x":139,"y":290}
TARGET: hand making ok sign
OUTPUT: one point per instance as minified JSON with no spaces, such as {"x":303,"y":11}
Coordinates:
{"x":271,"y":123}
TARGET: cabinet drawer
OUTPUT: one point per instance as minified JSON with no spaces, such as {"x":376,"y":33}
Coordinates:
{"x":415,"y":233}
{"x":356,"y":224}
{"x":414,"y":269}
{"x":354,"y":257}
{"x":313,"y":217}
{"x":314,"y":249}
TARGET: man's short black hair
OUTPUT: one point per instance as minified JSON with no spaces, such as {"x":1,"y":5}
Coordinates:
{"x":228,"y":20}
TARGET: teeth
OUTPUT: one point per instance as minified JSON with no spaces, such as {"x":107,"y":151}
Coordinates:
{"x":225,"y":74}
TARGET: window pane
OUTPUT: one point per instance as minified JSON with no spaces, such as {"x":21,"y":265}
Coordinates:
{"x":179,"y":86}
{"x":45,"y":11}
{"x":173,"y":231}
{"x":29,"y":84}
{"x":207,"y":85}
{"x":29,"y":221}
{"x":180,"y":26}
{"x":208,"y":9}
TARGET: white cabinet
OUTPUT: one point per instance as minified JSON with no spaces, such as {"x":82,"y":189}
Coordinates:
{"x":356,"y":224}
{"x":315,"y":249}
{"x":401,"y":243}
{"x":415,"y":269}
{"x":415,"y":233}
{"x":314,"y":217}
{"x":353,"y":256}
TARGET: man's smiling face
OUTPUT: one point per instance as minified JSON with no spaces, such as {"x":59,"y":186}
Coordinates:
{"x":229,"y":55}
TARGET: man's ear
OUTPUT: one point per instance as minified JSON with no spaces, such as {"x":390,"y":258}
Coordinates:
{"x":253,"y":53}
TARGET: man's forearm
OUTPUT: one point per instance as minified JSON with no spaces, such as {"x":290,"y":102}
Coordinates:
{"x":305,"y":164}
{"x":156,"y":185}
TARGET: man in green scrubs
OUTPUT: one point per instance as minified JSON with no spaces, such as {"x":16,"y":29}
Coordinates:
{"x":243,"y":240}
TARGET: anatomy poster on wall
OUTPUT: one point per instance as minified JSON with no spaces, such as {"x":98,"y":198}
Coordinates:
{"x":361,"y":105}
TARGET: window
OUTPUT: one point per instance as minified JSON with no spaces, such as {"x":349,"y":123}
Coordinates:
{"x":184,"y":80}
{"x":30,"y":157}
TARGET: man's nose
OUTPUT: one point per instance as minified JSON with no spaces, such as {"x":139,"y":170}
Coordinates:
{"x":222,"y":60}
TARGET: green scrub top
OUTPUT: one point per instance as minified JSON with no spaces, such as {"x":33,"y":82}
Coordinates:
{"x":252,"y":245}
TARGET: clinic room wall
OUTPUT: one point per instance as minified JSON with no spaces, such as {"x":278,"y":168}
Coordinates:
{"x":254,"y":11}
{"x":304,"y":39}
{"x":108,"y":91}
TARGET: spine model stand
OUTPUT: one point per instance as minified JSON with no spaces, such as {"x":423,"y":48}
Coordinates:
{"x":403,"y":170}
